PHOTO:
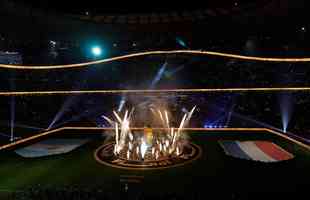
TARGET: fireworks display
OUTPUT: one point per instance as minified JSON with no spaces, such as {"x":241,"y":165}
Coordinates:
{"x":148,"y":145}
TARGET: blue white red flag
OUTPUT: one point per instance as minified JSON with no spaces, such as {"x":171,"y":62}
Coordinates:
{"x":263,"y":151}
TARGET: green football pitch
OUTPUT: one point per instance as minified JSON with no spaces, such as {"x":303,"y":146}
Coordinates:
{"x":211,"y":171}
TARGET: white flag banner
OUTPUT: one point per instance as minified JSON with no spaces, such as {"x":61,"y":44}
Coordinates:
{"x":50,"y":147}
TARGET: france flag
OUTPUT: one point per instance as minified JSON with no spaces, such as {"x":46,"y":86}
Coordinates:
{"x":263,"y":151}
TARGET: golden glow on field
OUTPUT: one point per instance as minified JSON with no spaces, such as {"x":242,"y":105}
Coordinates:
{"x":203,"y":90}
{"x":197,"y":52}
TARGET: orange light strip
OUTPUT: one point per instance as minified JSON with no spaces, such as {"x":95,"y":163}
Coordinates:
{"x":76,"y":92}
{"x":138,"y":128}
{"x":160,"y":128}
{"x":288,"y":138}
{"x":227,"y":55}
{"x":29,"y":138}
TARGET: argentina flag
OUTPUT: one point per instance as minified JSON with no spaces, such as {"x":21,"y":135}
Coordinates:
{"x":50,"y":147}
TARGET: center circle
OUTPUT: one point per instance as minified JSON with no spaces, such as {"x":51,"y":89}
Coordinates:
{"x":105,"y":155}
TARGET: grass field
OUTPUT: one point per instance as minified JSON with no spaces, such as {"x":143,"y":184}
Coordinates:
{"x":212,"y":172}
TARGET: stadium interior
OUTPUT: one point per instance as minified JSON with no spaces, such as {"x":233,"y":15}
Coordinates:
{"x":180,"y":101}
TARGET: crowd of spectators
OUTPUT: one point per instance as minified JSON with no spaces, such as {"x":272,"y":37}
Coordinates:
{"x":94,"y":193}
{"x":70,"y":192}
{"x":33,"y":114}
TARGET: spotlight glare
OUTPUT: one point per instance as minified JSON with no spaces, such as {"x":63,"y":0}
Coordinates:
{"x":96,"y":51}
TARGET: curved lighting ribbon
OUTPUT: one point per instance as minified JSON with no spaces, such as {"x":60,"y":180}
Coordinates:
{"x":227,"y":55}
{"x":206,"y":90}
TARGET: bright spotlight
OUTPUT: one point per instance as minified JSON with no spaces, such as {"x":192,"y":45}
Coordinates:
{"x":286,"y":107}
{"x":96,"y":51}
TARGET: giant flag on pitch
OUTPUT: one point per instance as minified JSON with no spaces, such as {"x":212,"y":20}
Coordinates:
{"x":263,"y":151}
{"x":50,"y":147}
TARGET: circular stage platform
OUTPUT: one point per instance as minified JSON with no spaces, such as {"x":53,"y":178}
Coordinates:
{"x":105,"y":155}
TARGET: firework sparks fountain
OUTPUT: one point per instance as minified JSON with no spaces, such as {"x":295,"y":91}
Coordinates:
{"x":148,"y":145}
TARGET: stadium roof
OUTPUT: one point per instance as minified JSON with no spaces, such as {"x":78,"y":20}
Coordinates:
{"x":120,"y":7}
{"x":159,"y":11}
